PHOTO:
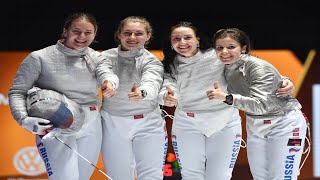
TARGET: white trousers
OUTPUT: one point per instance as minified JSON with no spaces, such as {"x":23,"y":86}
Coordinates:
{"x":61,"y":162}
{"x":206,"y":158}
{"x":277,"y":154}
{"x":134,"y":145}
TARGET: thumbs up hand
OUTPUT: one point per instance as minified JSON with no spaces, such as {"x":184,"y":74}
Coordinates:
{"x":169,"y":99}
{"x":135,"y":94}
{"x":108,"y":89}
{"x":134,"y":87}
{"x":169,"y":91}
{"x":216,"y":93}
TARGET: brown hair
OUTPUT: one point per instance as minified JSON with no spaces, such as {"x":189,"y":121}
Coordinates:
{"x":139,"y":19}
{"x":79,"y":16}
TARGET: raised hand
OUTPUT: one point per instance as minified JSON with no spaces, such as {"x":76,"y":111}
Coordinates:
{"x":169,"y":99}
{"x":216,"y":93}
{"x":108,"y":89}
{"x":135,"y":94}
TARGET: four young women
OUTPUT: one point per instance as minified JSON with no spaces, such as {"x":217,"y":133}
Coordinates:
{"x":206,"y":134}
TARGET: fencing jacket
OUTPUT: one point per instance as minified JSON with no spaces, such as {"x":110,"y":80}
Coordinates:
{"x":139,"y":66}
{"x":253,"y":83}
{"x":74,"y":73}
{"x":194,"y":76}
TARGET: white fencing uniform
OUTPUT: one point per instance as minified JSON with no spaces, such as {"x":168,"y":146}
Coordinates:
{"x":77,"y":75}
{"x":63,"y":163}
{"x":206,"y":134}
{"x":134,"y":135}
{"x":276,"y":127}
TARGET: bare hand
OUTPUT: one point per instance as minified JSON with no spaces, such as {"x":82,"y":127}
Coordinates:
{"x":108,"y":90}
{"x":135,"y":94}
{"x":286,"y":89}
{"x":216,"y":93}
{"x":169,"y":99}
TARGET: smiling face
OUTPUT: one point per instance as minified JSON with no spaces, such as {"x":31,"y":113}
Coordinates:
{"x":228,"y":50}
{"x":184,"y":41}
{"x":230,"y":44}
{"x":133,"y":35}
{"x":79,"y":34}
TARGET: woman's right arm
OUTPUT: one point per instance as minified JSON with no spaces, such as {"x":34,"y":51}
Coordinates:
{"x":26,"y":76}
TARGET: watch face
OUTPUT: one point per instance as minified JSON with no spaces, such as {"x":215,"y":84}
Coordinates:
{"x":143,"y":93}
{"x":229,"y":99}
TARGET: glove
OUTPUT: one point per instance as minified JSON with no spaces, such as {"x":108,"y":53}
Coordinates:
{"x":36,"y":125}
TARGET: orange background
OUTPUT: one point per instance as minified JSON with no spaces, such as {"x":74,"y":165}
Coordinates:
{"x":13,"y":137}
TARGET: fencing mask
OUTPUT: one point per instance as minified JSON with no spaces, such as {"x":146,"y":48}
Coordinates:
{"x":62,"y":112}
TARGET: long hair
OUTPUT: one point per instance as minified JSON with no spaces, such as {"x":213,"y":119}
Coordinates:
{"x":170,"y":53}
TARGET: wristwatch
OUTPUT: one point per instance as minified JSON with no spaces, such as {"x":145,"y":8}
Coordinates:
{"x":229,"y":99}
{"x":143,"y":93}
